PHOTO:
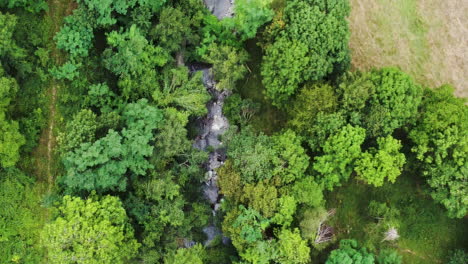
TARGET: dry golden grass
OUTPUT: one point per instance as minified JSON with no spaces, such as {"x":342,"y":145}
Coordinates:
{"x":426,"y":38}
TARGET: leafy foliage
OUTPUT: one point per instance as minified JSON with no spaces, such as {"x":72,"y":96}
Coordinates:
{"x":76,"y":36}
{"x":95,"y":230}
{"x":193,"y":255}
{"x":312,"y":44}
{"x":349,"y":252}
{"x":292,"y":248}
{"x":103,"y":165}
{"x":20,"y":218}
{"x":34,"y":6}
{"x":341,"y":151}
{"x":249,"y":16}
{"x":10,"y":138}
{"x":441,"y":143}
{"x":386,"y":162}
{"x":394,"y":102}
{"x":228,"y":65}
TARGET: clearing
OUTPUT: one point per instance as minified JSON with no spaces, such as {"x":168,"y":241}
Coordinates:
{"x":426,"y":38}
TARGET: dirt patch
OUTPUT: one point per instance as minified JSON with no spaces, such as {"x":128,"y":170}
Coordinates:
{"x":426,"y":38}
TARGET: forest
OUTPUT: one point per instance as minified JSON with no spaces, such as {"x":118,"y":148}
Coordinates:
{"x":223,"y":131}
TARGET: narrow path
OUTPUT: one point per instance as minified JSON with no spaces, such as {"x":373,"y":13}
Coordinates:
{"x":44,"y":154}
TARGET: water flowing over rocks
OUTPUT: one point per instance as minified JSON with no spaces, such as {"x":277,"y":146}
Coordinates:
{"x":212,"y":126}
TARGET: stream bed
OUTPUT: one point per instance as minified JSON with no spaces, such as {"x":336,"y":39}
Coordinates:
{"x":212,"y":126}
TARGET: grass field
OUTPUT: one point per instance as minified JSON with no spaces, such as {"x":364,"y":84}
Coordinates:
{"x":427,"y":235}
{"x":426,"y":38}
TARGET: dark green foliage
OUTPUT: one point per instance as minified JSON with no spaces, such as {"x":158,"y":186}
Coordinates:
{"x":34,"y":6}
{"x":76,"y":36}
{"x":103,"y":165}
{"x":458,"y":257}
{"x":312,"y":44}
{"x":104,"y":11}
{"x":349,"y":252}
{"x":174,"y":31}
{"x":10,"y":53}
{"x":239,"y":111}
{"x":441,"y":144}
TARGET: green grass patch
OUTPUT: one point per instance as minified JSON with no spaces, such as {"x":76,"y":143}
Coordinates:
{"x":426,"y":234}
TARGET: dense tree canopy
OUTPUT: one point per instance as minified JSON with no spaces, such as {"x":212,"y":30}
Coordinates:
{"x":119,"y":118}
{"x":441,"y":143}
{"x":95,"y":230}
{"x":312,"y":44}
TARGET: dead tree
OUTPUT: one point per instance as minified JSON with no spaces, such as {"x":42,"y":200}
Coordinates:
{"x":391,"y":234}
{"x":324,"y":232}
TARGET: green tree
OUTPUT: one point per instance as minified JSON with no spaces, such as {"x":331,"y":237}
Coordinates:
{"x":307,"y":191}
{"x":458,"y":256}
{"x":312,"y":44}
{"x":193,"y":255}
{"x":104,"y":10}
{"x":292,"y":248}
{"x":76,"y":35}
{"x":174,"y":31}
{"x":386,"y":162}
{"x":228,"y":65}
{"x":441,"y":144}
{"x":10,"y":52}
{"x":393,"y":104}
{"x":341,"y":150}
{"x":21,"y":218}
{"x":312,"y":102}
{"x":81,"y":129}
{"x":34,"y":6}
{"x":11,"y":139}
{"x":249,"y":15}
{"x":350,"y":253}
{"x":388,"y":256}
{"x":182,"y":90}
{"x":134,"y":55}
{"x":251,"y":155}
{"x":292,"y":160}
{"x":95,"y":230}
{"x":282,"y":69}
{"x":172,"y":137}
{"x":103,"y":165}
{"x":262,"y":197}
{"x":229,"y":181}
